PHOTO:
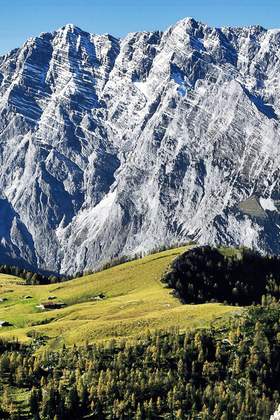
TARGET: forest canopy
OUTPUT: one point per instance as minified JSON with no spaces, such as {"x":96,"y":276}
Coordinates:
{"x":229,"y":373}
{"x":204,"y":274}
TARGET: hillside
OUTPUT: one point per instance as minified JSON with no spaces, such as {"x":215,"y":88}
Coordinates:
{"x":223,"y":372}
{"x":123,"y":346}
{"x":122,"y":301}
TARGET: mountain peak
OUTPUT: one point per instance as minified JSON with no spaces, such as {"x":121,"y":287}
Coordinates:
{"x":71,"y":28}
{"x":188,"y":22}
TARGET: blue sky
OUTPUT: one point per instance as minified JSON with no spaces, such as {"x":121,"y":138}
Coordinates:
{"x":20,"y":19}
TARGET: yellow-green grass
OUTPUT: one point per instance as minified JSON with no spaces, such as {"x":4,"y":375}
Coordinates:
{"x":135,"y":300}
{"x":232,"y":252}
{"x":9,"y":279}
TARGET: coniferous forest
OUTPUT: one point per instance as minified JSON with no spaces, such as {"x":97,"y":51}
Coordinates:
{"x":204,"y":274}
{"x":216,"y":373}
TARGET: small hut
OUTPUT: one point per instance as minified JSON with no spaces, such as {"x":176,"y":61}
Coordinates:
{"x":5,"y":324}
{"x":51,"y":305}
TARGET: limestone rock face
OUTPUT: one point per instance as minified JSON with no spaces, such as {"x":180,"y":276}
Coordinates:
{"x":112,"y":147}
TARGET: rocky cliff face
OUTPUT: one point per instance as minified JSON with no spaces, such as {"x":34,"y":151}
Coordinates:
{"x":111,"y":147}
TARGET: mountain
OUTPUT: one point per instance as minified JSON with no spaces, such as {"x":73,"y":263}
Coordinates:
{"x":112,"y":146}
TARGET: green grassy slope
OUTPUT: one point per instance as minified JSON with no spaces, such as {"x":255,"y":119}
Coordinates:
{"x":135,"y":300}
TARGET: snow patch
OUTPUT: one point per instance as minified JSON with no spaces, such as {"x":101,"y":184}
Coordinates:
{"x":267,"y":204}
{"x":142,"y":86}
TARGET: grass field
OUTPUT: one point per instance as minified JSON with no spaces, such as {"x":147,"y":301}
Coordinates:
{"x":135,"y":300}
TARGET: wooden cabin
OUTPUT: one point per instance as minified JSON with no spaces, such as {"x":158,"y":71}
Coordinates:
{"x":51,"y":305}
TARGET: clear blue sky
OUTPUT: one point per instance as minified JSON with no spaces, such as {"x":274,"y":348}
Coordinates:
{"x":20,"y":19}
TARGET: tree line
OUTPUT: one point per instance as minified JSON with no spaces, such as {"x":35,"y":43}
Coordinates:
{"x":30,"y":277}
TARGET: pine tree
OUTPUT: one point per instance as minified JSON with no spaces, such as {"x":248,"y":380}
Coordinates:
{"x":138,"y":414}
{"x":34,"y":402}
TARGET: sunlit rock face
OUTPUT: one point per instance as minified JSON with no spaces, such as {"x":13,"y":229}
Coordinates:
{"x":112,"y":147}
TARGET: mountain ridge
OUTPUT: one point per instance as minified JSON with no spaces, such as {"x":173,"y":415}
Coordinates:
{"x":112,"y":146}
